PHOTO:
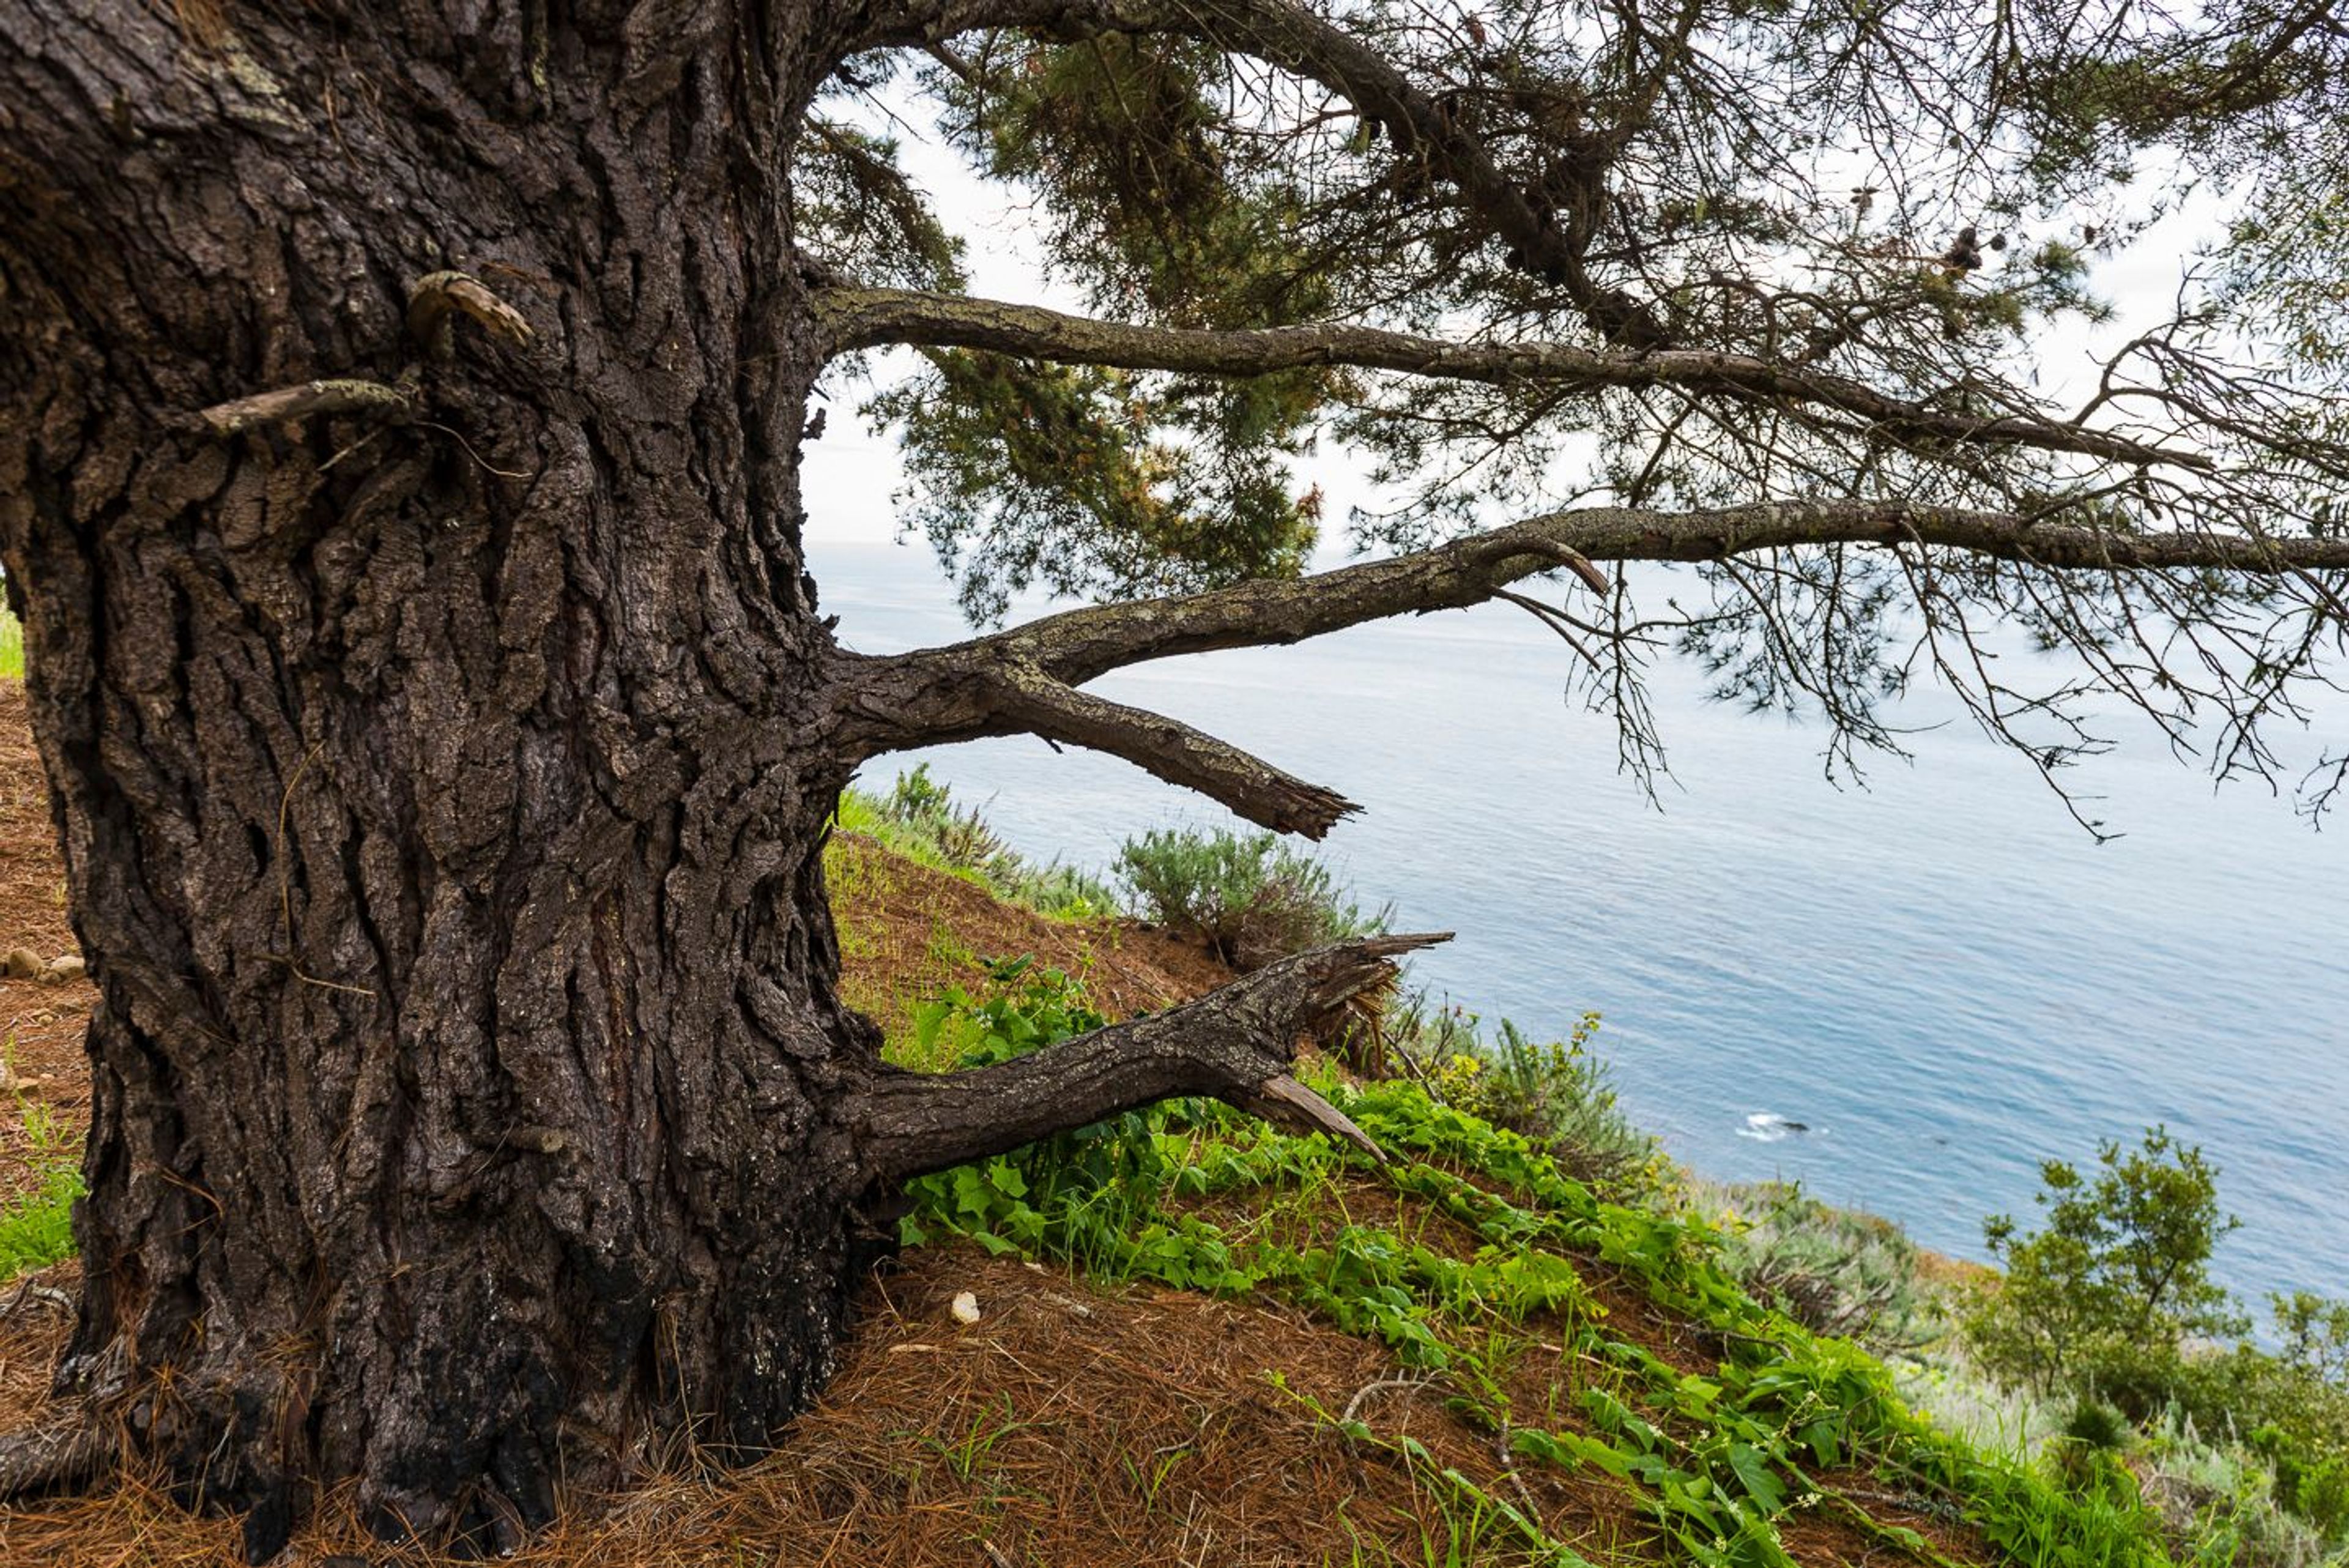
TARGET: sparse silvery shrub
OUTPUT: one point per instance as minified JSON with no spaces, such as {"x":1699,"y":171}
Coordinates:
{"x":1247,"y":896}
{"x":1834,"y":1270}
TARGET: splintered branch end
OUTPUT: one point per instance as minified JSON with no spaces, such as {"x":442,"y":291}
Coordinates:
{"x":436,"y":298}
{"x":1285,"y":1100}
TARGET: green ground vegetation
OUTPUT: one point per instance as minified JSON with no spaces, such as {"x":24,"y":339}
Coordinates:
{"x":918,"y":819}
{"x":1777,"y":1423}
{"x":37,"y":1229}
{"x":2101,"y":1359}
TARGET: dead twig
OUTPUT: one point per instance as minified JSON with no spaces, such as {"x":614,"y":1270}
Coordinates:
{"x":333,"y":395}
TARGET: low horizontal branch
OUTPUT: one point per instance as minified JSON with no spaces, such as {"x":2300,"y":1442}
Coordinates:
{"x":1236,"y":1043}
{"x":1178,"y":753}
{"x":1078,"y":645}
{"x":896,"y":705}
{"x":871,"y":318}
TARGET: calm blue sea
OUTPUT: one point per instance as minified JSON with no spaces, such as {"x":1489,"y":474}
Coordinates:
{"x":1943,"y":978}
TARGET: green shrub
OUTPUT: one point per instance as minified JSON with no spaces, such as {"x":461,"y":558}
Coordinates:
{"x":2219,"y":1504}
{"x":2312,"y":1485}
{"x":2097,"y":1424}
{"x":1555,"y":1093}
{"x":1247,"y":896}
{"x":2112,"y":1304}
{"x":960,"y":833}
{"x":2315,"y":1334}
{"x":2106,"y":1294}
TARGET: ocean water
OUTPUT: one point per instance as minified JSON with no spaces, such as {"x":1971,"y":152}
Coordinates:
{"x":1940,"y":978}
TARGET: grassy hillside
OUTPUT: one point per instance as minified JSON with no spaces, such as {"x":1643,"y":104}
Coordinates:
{"x":1185,"y":1337}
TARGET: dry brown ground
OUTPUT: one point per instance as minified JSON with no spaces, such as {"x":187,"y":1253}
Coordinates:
{"x":1070,"y":1425}
{"x":907,"y":932}
{"x":43,"y":1083}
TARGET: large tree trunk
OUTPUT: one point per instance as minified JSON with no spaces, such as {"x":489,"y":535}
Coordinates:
{"x":441,"y":792}
{"x":442,"y":753}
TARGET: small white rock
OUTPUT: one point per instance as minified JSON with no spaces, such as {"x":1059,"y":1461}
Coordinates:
{"x":965,"y":1307}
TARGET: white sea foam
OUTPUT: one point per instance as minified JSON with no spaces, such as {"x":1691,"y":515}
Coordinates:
{"x":1769,"y":1126}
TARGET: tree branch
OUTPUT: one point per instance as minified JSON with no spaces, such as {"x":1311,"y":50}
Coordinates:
{"x":1421,"y":127}
{"x":435,"y":300}
{"x":1236,"y":1043}
{"x":333,"y":395}
{"x":1177,"y":753}
{"x":895,"y":705}
{"x":66,"y":1448}
{"x":1082,"y":645}
{"x":870,"y":318}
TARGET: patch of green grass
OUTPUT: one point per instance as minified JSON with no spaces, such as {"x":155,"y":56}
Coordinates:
{"x":969,"y":1453}
{"x":37,"y":1231}
{"x":1459,"y":1523}
{"x":12,"y":646}
{"x":919,"y":820}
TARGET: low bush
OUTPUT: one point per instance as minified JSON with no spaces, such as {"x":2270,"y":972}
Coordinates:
{"x":1834,"y":1270}
{"x":2112,"y":1305}
{"x":2315,"y":1336}
{"x":2101,"y":1298}
{"x":1556,"y":1093}
{"x":959,"y":833}
{"x":1248,"y":898}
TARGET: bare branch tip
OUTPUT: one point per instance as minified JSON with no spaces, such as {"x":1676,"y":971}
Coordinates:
{"x":433,"y":298}
{"x":1316,"y":814}
{"x":1283,"y":1099}
{"x":1390,"y":943}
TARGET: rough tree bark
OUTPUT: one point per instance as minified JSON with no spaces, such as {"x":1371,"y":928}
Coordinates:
{"x":437,"y":820}
{"x":400,"y":418}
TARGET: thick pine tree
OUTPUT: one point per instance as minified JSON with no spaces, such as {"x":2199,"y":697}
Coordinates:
{"x":401,"y":413}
